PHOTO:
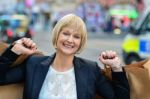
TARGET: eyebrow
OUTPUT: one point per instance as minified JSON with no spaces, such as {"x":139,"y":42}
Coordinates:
{"x":78,"y":34}
{"x":66,"y":30}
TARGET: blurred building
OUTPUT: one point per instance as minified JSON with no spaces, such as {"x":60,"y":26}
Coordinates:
{"x":5,"y":5}
{"x":146,"y":3}
{"x":108,"y":3}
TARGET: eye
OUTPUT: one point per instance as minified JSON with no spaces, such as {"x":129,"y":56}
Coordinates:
{"x":77,"y":36}
{"x":65,"y":33}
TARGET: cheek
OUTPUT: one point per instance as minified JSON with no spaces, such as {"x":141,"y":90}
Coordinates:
{"x":58,"y":41}
{"x":78,"y":42}
{"x":61,"y":38}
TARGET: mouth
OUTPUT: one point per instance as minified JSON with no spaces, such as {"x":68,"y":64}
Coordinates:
{"x":68,"y":46}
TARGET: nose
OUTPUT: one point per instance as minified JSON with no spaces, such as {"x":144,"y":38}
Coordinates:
{"x":70,"y":39}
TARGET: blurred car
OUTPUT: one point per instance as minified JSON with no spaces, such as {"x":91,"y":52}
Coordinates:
{"x":6,"y":32}
{"x":20,"y":26}
{"x":136,"y":44}
{"x":13,"y":27}
{"x":122,"y":15}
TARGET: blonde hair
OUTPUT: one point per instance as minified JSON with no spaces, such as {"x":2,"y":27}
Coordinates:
{"x":70,"y":20}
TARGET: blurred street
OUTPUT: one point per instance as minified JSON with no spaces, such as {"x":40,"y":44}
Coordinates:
{"x":108,"y":23}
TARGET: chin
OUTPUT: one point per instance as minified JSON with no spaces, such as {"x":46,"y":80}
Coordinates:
{"x":69,"y":52}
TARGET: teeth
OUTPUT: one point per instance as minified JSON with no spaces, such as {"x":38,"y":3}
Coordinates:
{"x":68,"y":46}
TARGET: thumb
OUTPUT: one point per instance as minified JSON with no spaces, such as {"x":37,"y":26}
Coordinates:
{"x":102,"y":59}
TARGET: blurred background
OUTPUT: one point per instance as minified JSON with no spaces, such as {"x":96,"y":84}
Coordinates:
{"x":120,"y":25}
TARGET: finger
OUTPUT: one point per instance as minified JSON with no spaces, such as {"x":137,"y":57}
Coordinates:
{"x":102,"y":60}
{"x":27,"y":42}
{"x":28,"y":51}
{"x":107,"y":55}
{"x":111,"y":54}
{"x":24,"y":39}
{"x":103,"y":55}
{"x":33,"y":46}
{"x":18,"y":42}
{"x":114,"y":54}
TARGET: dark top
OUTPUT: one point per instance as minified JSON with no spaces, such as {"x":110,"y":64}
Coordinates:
{"x":89,"y":79}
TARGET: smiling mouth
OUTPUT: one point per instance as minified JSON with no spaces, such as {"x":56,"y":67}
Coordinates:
{"x":68,"y":46}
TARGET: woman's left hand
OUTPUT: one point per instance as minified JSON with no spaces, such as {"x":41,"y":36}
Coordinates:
{"x":111,"y":59}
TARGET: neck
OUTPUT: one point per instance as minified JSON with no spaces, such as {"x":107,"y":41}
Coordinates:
{"x":62,"y":62}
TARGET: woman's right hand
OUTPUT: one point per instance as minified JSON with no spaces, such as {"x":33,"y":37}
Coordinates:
{"x":111,"y":58}
{"x":24,"y":46}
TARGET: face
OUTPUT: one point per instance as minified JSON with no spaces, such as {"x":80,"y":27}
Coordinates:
{"x":68,"y":41}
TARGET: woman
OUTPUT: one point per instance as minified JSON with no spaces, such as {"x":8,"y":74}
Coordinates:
{"x":63,"y":75}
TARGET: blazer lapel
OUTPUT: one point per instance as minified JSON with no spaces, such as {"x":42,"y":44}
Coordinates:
{"x":39,"y":76}
{"x":81,"y":75}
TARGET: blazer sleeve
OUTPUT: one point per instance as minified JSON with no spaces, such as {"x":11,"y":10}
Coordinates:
{"x":121,"y":85}
{"x":10,"y":74}
{"x":117,"y":89}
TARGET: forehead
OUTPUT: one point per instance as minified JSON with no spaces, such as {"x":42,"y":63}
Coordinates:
{"x":71,"y":29}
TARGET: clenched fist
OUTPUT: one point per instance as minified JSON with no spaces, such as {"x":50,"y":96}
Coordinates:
{"x":110,"y":58}
{"x":24,"y":46}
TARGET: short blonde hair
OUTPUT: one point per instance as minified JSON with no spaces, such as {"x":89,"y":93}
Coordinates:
{"x":70,"y":20}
